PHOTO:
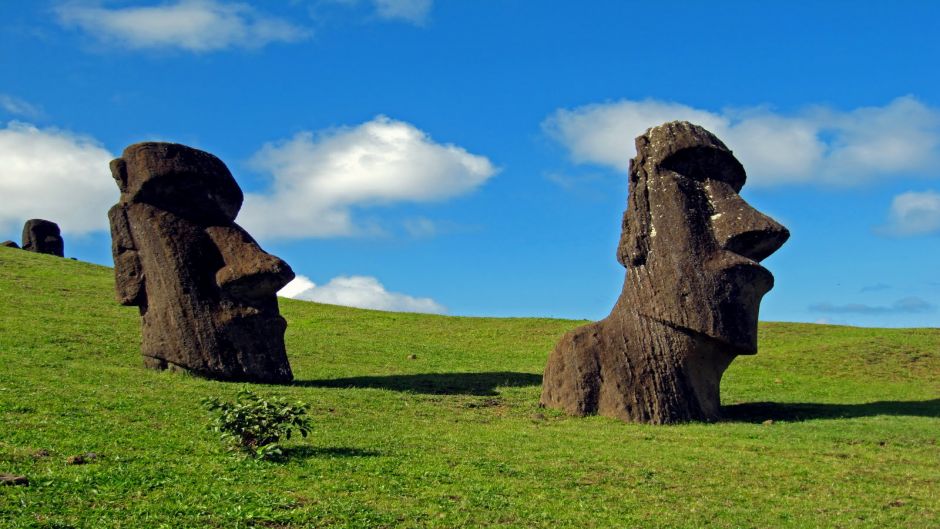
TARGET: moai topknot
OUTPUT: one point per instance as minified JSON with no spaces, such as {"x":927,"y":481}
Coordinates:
{"x":205,"y":289}
{"x":689,"y":305}
{"x":43,"y":236}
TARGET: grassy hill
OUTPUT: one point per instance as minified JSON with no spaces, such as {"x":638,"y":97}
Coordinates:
{"x":453,"y":438}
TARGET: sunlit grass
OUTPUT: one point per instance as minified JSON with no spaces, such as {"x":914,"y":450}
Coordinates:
{"x":453,"y":437}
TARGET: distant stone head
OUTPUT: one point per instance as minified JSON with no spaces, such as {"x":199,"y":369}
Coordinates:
{"x":690,"y":299}
{"x":206,"y":290}
{"x":43,"y":236}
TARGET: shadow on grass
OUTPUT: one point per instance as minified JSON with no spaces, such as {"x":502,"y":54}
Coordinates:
{"x":305,"y":452}
{"x":482,"y":384}
{"x":804,"y":411}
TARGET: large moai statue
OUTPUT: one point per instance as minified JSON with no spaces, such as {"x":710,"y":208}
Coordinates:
{"x":43,"y":236}
{"x":205,"y":289}
{"x":689,"y":304}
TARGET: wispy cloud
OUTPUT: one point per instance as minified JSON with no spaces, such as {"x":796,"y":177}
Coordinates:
{"x":875,"y":288}
{"x":364,"y":292}
{"x":56,"y":175}
{"x":413,"y":11}
{"x":421,"y":227}
{"x":909,"y":305}
{"x":818,"y":144}
{"x":317,"y":180}
{"x":913,"y":214}
{"x":18,"y":107}
{"x":191,"y":25}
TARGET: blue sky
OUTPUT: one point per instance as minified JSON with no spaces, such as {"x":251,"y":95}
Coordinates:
{"x":469,"y":157}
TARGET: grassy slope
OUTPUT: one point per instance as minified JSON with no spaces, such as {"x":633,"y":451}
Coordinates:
{"x":454,"y":438}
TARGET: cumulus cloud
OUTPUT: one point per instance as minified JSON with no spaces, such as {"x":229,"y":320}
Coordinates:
{"x":55,"y":175}
{"x":318,"y":179}
{"x":19,"y":107}
{"x":192,"y":25}
{"x":414,"y":11}
{"x":909,"y":305}
{"x":913,"y":214}
{"x":818,"y":144}
{"x":364,"y":292}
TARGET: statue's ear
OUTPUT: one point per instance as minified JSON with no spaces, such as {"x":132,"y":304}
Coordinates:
{"x":119,"y":173}
{"x":635,"y":229}
{"x":128,"y":273}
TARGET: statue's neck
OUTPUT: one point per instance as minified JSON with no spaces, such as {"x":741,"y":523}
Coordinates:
{"x":672,"y":361}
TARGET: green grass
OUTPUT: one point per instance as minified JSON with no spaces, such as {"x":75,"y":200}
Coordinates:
{"x":454,"y":438}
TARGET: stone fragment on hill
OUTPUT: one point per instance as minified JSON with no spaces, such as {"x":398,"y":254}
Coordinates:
{"x":9,"y":244}
{"x":205,"y":288}
{"x":81,"y":459}
{"x":690,"y":299}
{"x":12,"y":479}
{"x":43,"y":236}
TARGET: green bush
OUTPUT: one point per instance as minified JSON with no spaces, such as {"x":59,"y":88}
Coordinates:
{"x":255,"y":424}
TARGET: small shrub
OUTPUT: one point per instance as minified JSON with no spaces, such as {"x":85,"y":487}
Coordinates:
{"x":255,"y":424}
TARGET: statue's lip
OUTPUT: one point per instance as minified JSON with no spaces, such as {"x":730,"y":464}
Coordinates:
{"x":739,"y":262}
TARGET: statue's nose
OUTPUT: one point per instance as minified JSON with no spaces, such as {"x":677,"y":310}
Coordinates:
{"x":249,"y":272}
{"x":741,"y":229}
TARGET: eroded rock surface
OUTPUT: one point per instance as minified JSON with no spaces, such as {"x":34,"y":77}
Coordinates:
{"x":43,"y":236}
{"x":690,"y":299}
{"x":206,"y":290}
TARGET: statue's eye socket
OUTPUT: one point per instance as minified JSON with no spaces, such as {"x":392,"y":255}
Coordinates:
{"x":703,"y":163}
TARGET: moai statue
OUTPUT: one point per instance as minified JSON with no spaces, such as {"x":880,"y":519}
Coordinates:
{"x":691,"y":246}
{"x":43,"y":236}
{"x":205,"y":289}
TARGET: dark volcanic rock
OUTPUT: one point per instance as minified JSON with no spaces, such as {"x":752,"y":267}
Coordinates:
{"x":9,"y":244}
{"x":81,"y":459}
{"x":43,"y":236}
{"x":11,"y":479}
{"x":205,"y":289}
{"x":691,"y":294}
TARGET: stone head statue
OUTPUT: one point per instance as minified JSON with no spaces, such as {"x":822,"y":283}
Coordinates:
{"x":690,"y":299}
{"x":43,"y":236}
{"x":205,"y":289}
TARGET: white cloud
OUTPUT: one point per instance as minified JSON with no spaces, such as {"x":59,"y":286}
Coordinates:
{"x":364,"y":292}
{"x":193,"y":25}
{"x":55,"y":175}
{"x":818,"y":145}
{"x":913,"y":213}
{"x":317,"y":179}
{"x":414,"y":11}
{"x":19,"y":107}
{"x":297,"y":286}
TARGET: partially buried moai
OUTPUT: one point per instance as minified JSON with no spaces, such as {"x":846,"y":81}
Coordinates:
{"x":43,"y":236}
{"x":206,"y":290}
{"x":689,"y":304}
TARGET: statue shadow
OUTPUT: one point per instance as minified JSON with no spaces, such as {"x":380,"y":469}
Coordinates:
{"x":306,"y":452}
{"x":478,"y":384}
{"x":757,"y":412}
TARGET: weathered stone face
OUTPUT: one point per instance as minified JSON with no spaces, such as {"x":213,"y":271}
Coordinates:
{"x":697,"y":243}
{"x":43,"y":236}
{"x":692,"y":292}
{"x":206,"y":290}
